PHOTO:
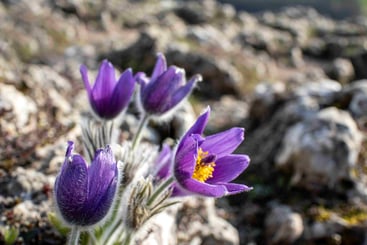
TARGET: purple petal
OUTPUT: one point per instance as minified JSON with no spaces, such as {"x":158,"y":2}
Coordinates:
{"x":101,"y":172}
{"x":72,"y":188}
{"x":156,"y":92}
{"x":160,"y":66}
{"x":197,"y":128}
{"x":122,"y":93}
{"x":103,"y":175}
{"x":185,"y":159}
{"x":68,"y":158}
{"x":142,"y":79}
{"x":223,"y":143}
{"x":195,"y":79}
{"x":185,"y":90}
{"x":105,"y":81}
{"x":199,"y":125}
{"x":204,"y":188}
{"x":181,"y":93}
{"x":69,"y":149}
{"x":235,"y":188}
{"x":84,"y":73}
{"x":178,"y":191}
{"x":97,"y":209}
{"x":179,"y":79}
{"x":163,"y":162}
{"x":102,"y":107}
{"x":167,"y":93}
{"x":198,"y":137}
{"x":228,"y":168}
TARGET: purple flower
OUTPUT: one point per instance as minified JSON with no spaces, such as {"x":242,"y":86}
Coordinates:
{"x":165,"y":89}
{"x":205,"y":166}
{"x":84,"y":194}
{"x":108,"y":97}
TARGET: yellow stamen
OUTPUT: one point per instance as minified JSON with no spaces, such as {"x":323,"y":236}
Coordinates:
{"x":203,"y":171}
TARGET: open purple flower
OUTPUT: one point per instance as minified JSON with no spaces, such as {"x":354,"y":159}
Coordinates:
{"x":165,"y":89}
{"x":108,"y":97}
{"x":206,"y":165}
{"x":84,"y":194}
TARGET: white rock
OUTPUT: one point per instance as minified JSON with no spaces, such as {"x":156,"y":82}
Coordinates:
{"x":21,"y":106}
{"x":283,"y":226}
{"x":322,"y":150}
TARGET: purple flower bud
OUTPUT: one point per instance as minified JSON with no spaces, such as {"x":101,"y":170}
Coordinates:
{"x":109,"y":97}
{"x":84,"y":194}
{"x":165,"y":89}
{"x":206,"y":165}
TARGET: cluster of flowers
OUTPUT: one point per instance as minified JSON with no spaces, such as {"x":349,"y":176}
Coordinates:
{"x":111,"y":199}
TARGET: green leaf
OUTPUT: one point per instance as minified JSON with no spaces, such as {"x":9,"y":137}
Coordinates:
{"x":10,"y":235}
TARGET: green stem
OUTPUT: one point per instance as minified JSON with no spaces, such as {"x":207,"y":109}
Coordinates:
{"x":160,"y":189}
{"x":93,"y":237}
{"x":115,"y":219}
{"x":128,"y":238}
{"x":143,"y":123}
{"x":74,"y":235}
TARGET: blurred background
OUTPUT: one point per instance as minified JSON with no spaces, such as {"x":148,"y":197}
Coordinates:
{"x":292,"y":73}
{"x":338,"y":9}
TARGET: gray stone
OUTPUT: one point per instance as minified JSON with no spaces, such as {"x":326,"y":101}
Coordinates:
{"x":358,"y":104}
{"x":227,"y":112}
{"x":324,"y":90}
{"x":27,"y":183}
{"x":341,"y":70}
{"x":219,"y":76}
{"x":199,"y":224}
{"x":283,"y":226}
{"x":193,"y":14}
{"x":15,"y":107}
{"x":31,"y":214}
{"x":44,"y":77}
{"x":356,"y":95}
{"x":322,"y":150}
{"x":330,"y":228}
{"x":265,"y":38}
{"x":182,"y":120}
{"x":194,"y":221}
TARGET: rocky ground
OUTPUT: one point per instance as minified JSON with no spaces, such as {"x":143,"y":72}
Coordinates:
{"x":293,"y":79}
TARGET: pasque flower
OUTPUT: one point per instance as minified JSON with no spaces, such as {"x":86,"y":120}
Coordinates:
{"x":84,"y":194}
{"x":165,"y":89}
{"x":206,"y":165}
{"x":109,"y":97}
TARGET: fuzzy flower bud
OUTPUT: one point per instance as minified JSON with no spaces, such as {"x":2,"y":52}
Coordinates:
{"x":84,"y":194}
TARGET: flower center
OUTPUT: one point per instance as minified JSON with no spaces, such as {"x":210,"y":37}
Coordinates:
{"x":204,"y":166}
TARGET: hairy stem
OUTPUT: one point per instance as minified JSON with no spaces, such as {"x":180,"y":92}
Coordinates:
{"x":74,"y":235}
{"x":142,"y":124}
{"x":160,"y":189}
